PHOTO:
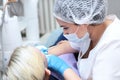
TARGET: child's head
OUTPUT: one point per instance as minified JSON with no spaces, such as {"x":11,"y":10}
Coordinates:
{"x":26,"y":63}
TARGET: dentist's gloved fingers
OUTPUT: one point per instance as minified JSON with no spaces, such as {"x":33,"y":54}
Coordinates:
{"x":42,"y":48}
{"x":57,"y":64}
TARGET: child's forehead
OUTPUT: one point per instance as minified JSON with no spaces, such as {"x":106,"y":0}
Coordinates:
{"x":41,"y":54}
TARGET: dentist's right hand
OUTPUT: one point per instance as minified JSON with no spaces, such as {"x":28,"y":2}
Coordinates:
{"x":57,"y":64}
{"x":54,"y":62}
{"x":60,"y":66}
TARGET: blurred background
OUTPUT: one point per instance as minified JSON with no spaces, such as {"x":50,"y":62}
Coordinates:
{"x":47,"y":22}
{"x":34,"y":23}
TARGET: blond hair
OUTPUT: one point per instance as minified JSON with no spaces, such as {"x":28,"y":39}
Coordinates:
{"x":25,"y":64}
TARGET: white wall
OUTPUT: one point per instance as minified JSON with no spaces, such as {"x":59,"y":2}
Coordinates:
{"x":114,"y":7}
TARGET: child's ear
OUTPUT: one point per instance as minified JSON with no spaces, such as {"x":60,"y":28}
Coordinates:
{"x":47,"y":74}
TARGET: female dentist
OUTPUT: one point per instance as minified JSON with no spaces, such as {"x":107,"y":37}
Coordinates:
{"x":91,"y":32}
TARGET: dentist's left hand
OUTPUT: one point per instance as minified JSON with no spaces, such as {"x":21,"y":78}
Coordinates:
{"x":42,"y":48}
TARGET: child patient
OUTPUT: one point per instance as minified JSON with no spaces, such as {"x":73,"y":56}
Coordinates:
{"x":29,"y":63}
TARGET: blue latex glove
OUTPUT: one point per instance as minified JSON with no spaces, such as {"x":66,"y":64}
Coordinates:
{"x":57,"y":64}
{"x":42,"y":48}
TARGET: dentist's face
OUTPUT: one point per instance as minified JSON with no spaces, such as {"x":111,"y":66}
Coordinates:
{"x":69,"y":28}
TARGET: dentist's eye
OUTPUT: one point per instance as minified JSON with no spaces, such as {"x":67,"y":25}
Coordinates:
{"x":65,"y":28}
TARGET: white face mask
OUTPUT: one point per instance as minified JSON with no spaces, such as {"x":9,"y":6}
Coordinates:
{"x":83,"y":42}
{"x":73,"y":37}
